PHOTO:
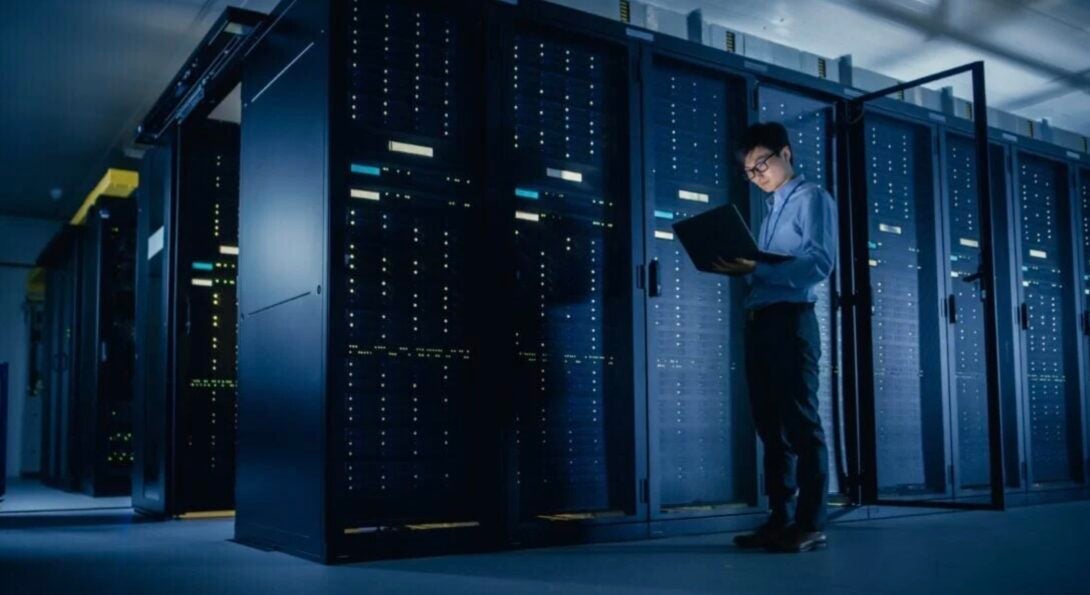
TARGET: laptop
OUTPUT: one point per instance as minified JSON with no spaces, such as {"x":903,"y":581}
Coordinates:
{"x":721,"y":233}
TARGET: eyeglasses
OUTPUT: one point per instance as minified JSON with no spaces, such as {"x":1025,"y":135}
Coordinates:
{"x":760,"y":167}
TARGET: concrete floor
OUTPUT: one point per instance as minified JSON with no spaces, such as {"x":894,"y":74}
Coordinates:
{"x":1025,"y":550}
{"x":30,"y":495}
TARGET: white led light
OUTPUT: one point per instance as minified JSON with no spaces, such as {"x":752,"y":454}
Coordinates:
{"x":693,"y":196}
{"x":411,"y":149}
{"x":968,"y":242}
{"x":564,"y":174}
{"x":1038,"y":253}
{"x":527,"y":216}
{"x":364,"y":194}
{"x":889,"y":228}
{"x":202,"y":282}
{"x":231,"y":250}
{"x":664,"y":235}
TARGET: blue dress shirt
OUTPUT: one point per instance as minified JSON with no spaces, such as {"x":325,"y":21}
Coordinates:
{"x":800,"y":220}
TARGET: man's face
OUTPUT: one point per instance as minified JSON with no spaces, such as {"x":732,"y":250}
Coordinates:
{"x":768,"y":169}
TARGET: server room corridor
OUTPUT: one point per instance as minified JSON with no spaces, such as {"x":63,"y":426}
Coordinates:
{"x":544,"y":296}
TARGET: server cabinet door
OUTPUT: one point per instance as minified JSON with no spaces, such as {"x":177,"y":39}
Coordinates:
{"x":408,"y":416}
{"x":1083,"y":184}
{"x":1047,"y":317}
{"x":809,"y":123}
{"x":561,"y":192}
{"x":965,"y":316}
{"x":907,"y":342}
{"x":701,"y":437}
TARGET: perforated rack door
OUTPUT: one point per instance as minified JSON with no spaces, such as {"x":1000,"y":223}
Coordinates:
{"x":907,"y":339}
{"x":565,"y":162}
{"x":965,"y":317}
{"x":702,"y":440}
{"x":405,"y":419}
{"x":1048,"y":321}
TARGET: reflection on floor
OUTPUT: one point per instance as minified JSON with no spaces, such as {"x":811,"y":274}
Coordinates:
{"x":30,"y":495}
{"x":1038,"y":549}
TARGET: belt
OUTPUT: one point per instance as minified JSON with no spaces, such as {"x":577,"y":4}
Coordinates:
{"x":778,"y":309}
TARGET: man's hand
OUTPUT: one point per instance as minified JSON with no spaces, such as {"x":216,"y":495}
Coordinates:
{"x":738,"y":266}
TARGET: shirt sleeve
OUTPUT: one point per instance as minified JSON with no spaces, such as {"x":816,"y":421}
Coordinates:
{"x":816,"y":256}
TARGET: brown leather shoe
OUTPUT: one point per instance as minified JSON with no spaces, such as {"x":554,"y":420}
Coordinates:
{"x":767,"y":535}
{"x":795,"y":540}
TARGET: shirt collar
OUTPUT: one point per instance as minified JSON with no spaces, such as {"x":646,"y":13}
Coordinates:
{"x":776,"y":198}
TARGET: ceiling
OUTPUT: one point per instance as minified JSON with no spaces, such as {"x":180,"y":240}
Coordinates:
{"x":77,"y":75}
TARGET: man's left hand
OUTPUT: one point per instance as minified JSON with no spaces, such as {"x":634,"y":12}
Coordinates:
{"x":738,"y":266}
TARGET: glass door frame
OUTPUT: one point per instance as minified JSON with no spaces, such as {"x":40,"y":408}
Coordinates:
{"x":858,"y":299}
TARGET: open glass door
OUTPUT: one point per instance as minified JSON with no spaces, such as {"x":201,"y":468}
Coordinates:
{"x":920,"y":262}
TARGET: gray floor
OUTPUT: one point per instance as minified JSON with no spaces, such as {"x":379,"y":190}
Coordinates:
{"x":1026,"y":550}
{"x":29,"y":495}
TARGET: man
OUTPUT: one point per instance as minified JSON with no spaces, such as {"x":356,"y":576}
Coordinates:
{"x":783,"y":344}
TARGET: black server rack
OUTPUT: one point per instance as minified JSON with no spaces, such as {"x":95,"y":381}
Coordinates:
{"x":3,"y":429}
{"x":701,"y":438}
{"x":1083,"y":200}
{"x":560,"y":183}
{"x":362,"y":406}
{"x":908,"y":343}
{"x":60,"y":452}
{"x":184,"y":413}
{"x":809,"y":123}
{"x":104,"y":359}
{"x":1047,"y":295}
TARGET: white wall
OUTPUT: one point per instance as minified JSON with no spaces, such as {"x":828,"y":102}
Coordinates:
{"x":21,"y":240}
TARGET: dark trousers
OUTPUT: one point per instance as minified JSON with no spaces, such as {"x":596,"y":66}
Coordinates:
{"x":783,"y":346}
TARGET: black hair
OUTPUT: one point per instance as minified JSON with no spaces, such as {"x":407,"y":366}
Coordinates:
{"x":770,"y":135}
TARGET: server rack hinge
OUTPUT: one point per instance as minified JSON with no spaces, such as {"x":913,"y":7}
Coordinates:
{"x":950,"y":473}
{"x":640,"y":276}
{"x":645,"y":491}
{"x":1025,"y":472}
{"x":1086,"y":322}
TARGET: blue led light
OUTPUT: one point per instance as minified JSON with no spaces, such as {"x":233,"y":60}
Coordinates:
{"x":369,"y":170}
{"x":203,"y":266}
{"x":524,"y":193}
{"x":664,"y":214}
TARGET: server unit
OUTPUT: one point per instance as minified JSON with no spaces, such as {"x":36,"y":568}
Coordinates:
{"x":184,"y":412}
{"x":104,"y":359}
{"x":60,"y":444}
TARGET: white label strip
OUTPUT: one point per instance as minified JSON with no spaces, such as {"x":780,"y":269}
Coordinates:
{"x":693,"y":196}
{"x":889,"y":228}
{"x":155,"y":243}
{"x":527,"y":216}
{"x":231,"y":250}
{"x":411,"y":149}
{"x":969,"y":243}
{"x":364,"y":194}
{"x":1038,"y":253}
{"x":564,"y":174}
{"x":202,"y":282}
{"x":664,"y":235}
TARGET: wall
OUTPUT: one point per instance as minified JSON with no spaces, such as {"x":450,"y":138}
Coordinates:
{"x":21,"y":239}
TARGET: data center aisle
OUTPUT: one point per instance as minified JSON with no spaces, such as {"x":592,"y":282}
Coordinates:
{"x":1026,"y":550}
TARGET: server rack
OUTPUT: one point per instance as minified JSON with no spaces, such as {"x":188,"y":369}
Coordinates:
{"x":184,"y":412}
{"x":565,"y":169}
{"x":1043,"y":214}
{"x":363,"y":408}
{"x":703,"y":452}
{"x":104,"y":358}
{"x":1083,"y":202}
{"x":60,"y":453}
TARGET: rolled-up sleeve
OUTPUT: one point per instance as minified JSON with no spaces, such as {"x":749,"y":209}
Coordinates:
{"x":816,"y":256}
